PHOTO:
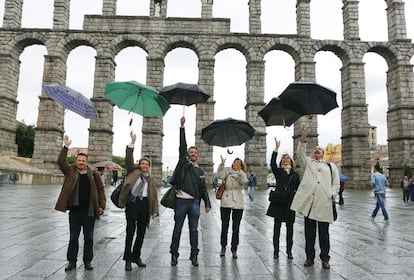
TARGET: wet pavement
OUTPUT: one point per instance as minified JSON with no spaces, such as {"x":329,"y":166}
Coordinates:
{"x":34,"y":239}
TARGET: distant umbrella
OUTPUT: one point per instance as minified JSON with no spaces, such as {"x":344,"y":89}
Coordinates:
{"x":108,"y":165}
{"x":275,"y":114}
{"x":307,"y":98}
{"x":72,"y":100}
{"x":184,"y":94}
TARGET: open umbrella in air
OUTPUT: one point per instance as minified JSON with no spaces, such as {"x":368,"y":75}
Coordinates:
{"x":107,"y":165}
{"x":275,"y":114}
{"x":137,"y":98}
{"x":307,"y":98}
{"x":227,"y":132}
{"x":72,"y":100}
{"x":184,"y":94}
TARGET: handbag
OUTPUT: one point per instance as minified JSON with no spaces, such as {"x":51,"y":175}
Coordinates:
{"x":221,"y":188}
{"x":168,"y":199}
{"x":278,"y":196}
{"x":115,"y":194}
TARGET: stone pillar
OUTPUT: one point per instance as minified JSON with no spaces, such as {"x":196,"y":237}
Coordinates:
{"x":49,"y":129}
{"x":255,"y":25}
{"x":303,"y":18}
{"x":396,"y":20}
{"x":204,"y":116}
{"x":61,"y":14}
{"x":305,"y":71}
{"x":206,"y":8}
{"x":158,"y":8}
{"x":350,"y":14}
{"x":9,"y":69}
{"x":109,"y":8}
{"x":152,"y":128}
{"x":355,"y":126}
{"x":100,"y":131}
{"x":12,"y":14}
{"x":255,"y":149}
{"x":400,"y":118}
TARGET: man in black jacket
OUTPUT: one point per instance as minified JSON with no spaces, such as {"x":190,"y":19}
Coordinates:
{"x":190,"y":181}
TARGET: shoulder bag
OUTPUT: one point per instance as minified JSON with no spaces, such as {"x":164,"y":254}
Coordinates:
{"x":221,"y":188}
{"x":168,"y":199}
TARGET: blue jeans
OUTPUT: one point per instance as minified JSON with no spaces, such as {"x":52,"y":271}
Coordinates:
{"x":251,"y":193}
{"x":183,"y":208}
{"x":380,"y":203}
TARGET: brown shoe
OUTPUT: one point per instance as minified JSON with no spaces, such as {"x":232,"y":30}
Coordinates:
{"x":326,"y":265}
{"x":223,"y":251}
{"x":234,"y":253}
{"x":308,"y":263}
{"x":128,"y":266}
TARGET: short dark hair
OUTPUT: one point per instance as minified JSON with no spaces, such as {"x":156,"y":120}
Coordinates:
{"x":82,"y":154}
{"x":144,"y":159}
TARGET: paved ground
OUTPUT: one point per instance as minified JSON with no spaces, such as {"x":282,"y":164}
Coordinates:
{"x":34,"y":238}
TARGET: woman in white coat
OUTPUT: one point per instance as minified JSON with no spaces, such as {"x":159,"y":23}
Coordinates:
{"x":232,"y":202}
{"x":313,"y":199}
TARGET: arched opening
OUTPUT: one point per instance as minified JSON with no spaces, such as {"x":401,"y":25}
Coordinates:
{"x":278,"y":17}
{"x":326,"y":19}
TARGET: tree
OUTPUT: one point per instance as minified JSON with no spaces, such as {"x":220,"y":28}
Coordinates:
{"x":119,"y":160}
{"x":25,"y":135}
{"x":407,"y":171}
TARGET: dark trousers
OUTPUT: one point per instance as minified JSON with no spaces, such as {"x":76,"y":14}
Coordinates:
{"x":310,"y":237}
{"x":276,"y":237}
{"x":137,"y":219}
{"x":341,"y":198}
{"x":406,"y":195}
{"x":78,"y":220}
{"x":183,"y":208}
{"x":236,"y":215}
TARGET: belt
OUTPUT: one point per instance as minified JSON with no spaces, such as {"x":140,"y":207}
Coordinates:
{"x":187,"y":199}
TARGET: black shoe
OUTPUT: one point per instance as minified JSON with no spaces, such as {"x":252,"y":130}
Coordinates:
{"x":128,"y":266}
{"x":326,"y":265}
{"x":289,"y":255}
{"x":140,"y":263}
{"x":70,"y":266}
{"x":275,"y":255}
{"x":194,"y":261}
{"x":174,"y":260}
{"x":88,"y":266}
{"x":308,"y":263}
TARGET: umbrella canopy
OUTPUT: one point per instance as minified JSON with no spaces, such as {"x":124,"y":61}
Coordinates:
{"x":227,"y":132}
{"x":306,"y":98}
{"x":108,"y":165}
{"x":72,"y":100}
{"x":138,"y":98}
{"x":184,"y":94}
{"x":275,"y":114}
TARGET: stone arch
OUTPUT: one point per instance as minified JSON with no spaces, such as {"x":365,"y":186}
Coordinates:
{"x":283,"y":44}
{"x":339,"y":48}
{"x":67,"y":44}
{"x":388,"y":52}
{"x":20,"y":42}
{"x":123,"y":41}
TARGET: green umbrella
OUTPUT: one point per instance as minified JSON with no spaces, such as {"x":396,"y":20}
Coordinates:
{"x":138,"y":98}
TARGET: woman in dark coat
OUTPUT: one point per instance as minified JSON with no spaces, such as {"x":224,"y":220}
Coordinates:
{"x":287,"y":180}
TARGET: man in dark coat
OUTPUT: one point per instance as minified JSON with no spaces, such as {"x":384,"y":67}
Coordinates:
{"x":83,"y":195}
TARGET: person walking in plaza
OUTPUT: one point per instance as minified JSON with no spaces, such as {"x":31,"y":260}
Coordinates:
{"x":287,"y":181}
{"x":215,"y":183}
{"x":83,"y":195}
{"x":379,"y":182}
{"x":139,"y":197}
{"x":313,"y":199}
{"x":190,"y":181}
{"x":252,"y":185}
{"x":404,"y":186}
{"x":232,"y":202}
{"x":411,"y":188}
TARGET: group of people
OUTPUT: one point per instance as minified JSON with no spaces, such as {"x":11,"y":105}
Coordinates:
{"x":407,"y":186}
{"x":83,"y":195}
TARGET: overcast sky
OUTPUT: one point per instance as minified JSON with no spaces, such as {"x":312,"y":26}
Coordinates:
{"x":278,"y":16}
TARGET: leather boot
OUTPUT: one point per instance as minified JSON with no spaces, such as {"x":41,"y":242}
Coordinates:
{"x":223,"y":251}
{"x":70,"y":266}
{"x":128,"y":266}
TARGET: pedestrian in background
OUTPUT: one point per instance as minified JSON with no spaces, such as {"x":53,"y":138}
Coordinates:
{"x":139,"y":197}
{"x":318,"y":187}
{"x":252,"y":185}
{"x":379,"y":182}
{"x":404,"y":186}
{"x":287,"y":181}
{"x":232,"y":202}
{"x":83,"y":195}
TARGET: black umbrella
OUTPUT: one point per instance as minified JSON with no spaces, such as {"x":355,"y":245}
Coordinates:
{"x":184,"y":94}
{"x":306,"y":98}
{"x":275,"y":114}
{"x":227,"y":132}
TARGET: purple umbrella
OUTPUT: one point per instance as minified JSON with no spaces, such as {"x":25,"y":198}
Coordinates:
{"x":72,"y":100}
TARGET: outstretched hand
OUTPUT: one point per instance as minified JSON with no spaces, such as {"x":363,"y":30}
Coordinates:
{"x":67,"y":141}
{"x":304,"y":133}
{"x":133,"y":137}
{"x":277,"y":143}
{"x":182,"y":121}
{"x":223,"y":160}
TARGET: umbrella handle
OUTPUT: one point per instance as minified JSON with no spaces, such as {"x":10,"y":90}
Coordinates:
{"x":183,"y":110}
{"x":229,"y":152}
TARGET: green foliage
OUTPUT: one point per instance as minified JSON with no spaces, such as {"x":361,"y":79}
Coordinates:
{"x":25,"y":135}
{"x":71,"y":159}
{"x":119,"y":160}
{"x":407,"y":171}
